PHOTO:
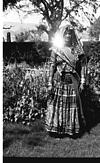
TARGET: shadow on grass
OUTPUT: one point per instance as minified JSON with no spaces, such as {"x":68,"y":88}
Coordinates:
{"x":37,"y":135}
{"x":7,"y":142}
{"x":61,"y":136}
{"x":18,"y":131}
{"x":30,"y":135}
{"x":38,"y":126}
{"x":35,"y":139}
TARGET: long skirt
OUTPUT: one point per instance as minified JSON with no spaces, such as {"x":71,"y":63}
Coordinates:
{"x":64,"y":113}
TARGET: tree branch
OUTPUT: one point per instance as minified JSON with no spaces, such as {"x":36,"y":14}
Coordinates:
{"x":43,"y":28}
{"x":45,"y":12}
{"x":46,"y":8}
{"x":68,"y":11}
{"x":87,"y":17}
{"x":48,"y":5}
{"x":62,"y":7}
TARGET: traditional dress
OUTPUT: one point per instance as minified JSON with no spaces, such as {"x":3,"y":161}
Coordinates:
{"x":64,"y":113}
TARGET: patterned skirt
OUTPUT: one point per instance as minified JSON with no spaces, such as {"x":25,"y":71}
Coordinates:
{"x":64,"y":113}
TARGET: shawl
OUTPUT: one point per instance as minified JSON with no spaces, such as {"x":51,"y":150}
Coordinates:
{"x":65,"y":53}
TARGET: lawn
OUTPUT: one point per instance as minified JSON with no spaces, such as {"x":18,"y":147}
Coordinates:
{"x":33,"y":141}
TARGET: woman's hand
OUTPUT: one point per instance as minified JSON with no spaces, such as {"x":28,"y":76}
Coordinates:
{"x":50,"y":88}
{"x":81,"y":87}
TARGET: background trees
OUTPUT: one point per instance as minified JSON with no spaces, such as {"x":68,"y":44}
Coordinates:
{"x":54,"y":12}
{"x":95,"y":29}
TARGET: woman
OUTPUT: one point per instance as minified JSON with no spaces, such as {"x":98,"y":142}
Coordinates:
{"x":64,"y":109}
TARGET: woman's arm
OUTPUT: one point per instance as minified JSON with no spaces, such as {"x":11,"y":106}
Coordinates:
{"x":52,"y":68}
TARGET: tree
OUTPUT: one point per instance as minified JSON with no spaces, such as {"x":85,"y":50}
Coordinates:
{"x":95,"y":29}
{"x":6,"y":3}
{"x":54,"y":12}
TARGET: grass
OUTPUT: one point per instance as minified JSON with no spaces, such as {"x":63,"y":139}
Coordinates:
{"x":33,"y":141}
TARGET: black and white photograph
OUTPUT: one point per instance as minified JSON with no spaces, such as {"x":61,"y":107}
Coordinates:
{"x":51,"y":79}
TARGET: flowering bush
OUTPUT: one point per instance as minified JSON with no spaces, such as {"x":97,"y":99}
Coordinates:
{"x":94,"y":69}
{"x":24,"y":93}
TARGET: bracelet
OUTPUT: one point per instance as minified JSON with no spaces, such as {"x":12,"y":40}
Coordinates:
{"x":49,"y":84}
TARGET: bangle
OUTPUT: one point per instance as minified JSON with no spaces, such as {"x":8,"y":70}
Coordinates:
{"x":49,"y":84}
{"x":82,"y":80}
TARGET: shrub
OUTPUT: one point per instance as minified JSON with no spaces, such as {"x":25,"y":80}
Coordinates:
{"x":24,"y":94}
{"x":94,"y":65}
{"x":94,"y":70}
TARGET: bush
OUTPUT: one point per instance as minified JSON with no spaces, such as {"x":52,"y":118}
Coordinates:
{"x":24,"y":94}
{"x":93,"y":70}
{"x":94,"y":65}
{"x":32,"y":52}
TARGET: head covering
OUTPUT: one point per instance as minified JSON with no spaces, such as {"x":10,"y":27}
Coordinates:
{"x":75,"y":41}
{"x":70,"y":53}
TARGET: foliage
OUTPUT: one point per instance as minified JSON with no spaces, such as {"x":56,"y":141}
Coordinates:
{"x":31,"y":52}
{"x":94,"y":66}
{"x":22,"y":36}
{"x":95,"y":29}
{"x":24,"y":94}
{"x":29,"y":36}
{"x":93,"y":76}
{"x":55,"y":11}
{"x":6,"y":3}
{"x":91,"y":92}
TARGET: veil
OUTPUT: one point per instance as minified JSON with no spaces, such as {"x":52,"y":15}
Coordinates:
{"x":76,"y":43}
{"x":66,"y":52}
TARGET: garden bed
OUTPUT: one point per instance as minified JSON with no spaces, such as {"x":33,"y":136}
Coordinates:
{"x":24,"y":93}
